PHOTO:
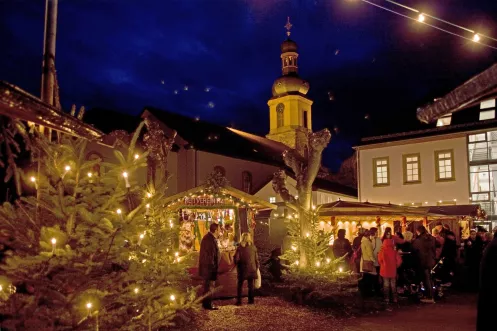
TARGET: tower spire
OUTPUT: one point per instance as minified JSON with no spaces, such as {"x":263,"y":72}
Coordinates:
{"x":288,"y":26}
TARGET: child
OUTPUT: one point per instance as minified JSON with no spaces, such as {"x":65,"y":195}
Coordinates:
{"x":275,"y":265}
{"x":389,"y":260}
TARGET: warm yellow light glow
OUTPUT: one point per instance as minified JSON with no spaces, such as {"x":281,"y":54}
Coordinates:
{"x":294,"y":248}
{"x":476,"y":38}
{"x":313,"y":207}
{"x":340,"y":269}
{"x":318,"y":264}
{"x":119,"y":211}
{"x":426,"y":202}
{"x":172,"y":297}
{"x":54,"y":241}
{"x":142,"y":236}
{"x":329,"y":223}
{"x":421,"y":18}
{"x":307,"y":234}
{"x":32,"y":179}
{"x":136,"y":290}
{"x":67,"y":168}
{"x":176,"y":254}
{"x":328,"y":260}
{"x":90,"y":174}
{"x":149,"y":195}
{"x":89,"y":305}
{"x":125,"y":174}
{"x":297,"y":262}
{"x":171,"y":225}
{"x":136,"y":156}
{"x":148,"y":205}
{"x":1,"y":288}
{"x":455,"y":200}
{"x":321,"y":223}
{"x":439,"y":201}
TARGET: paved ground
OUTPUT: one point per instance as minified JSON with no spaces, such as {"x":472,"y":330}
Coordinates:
{"x":457,"y":313}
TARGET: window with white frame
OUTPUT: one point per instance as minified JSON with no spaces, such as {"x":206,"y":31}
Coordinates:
{"x":272,"y":199}
{"x":381,"y":171}
{"x":412,"y":168}
{"x":487,"y":114}
{"x":444,"y":161}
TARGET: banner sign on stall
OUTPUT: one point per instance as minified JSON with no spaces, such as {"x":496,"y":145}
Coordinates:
{"x":203,"y":201}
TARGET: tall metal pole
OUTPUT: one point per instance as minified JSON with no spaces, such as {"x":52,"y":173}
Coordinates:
{"x":48,"y":69}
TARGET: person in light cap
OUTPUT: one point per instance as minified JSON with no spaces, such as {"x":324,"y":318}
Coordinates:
{"x":487,"y":298}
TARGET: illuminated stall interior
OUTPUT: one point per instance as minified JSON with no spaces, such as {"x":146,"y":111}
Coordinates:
{"x":198,"y":208}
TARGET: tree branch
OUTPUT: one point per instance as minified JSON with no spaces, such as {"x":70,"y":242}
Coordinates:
{"x":317,"y":143}
{"x":279,"y":186}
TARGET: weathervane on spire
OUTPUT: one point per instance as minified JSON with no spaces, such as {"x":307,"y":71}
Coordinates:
{"x":288,"y":26}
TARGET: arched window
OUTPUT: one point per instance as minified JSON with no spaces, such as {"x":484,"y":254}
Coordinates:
{"x":279,"y":115}
{"x":220,"y":170}
{"x":95,"y":156}
{"x":246,"y":182}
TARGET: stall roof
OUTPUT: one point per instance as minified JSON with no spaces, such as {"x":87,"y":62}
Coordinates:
{"x":349,"y":208}
{"x":257,"y":202}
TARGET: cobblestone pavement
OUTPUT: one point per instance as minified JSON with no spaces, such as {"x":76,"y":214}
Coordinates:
{"x":456,"y":313}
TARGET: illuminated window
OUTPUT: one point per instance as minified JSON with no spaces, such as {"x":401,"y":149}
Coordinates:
{"x":487,"y":104}
{"x":381,"y":172}
{"x":444,"y":163}
{"x":487,"y":115}
{"x":272,"y":199}
{"x":443,"y":121}
{"x":412,"y":168}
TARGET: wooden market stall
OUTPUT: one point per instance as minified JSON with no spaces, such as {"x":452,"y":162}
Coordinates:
{"x":353,"y":215}
{"x":232,"y":209}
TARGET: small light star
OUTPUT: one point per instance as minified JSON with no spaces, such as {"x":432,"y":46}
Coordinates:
{"x":211,"y":104}
{"x":185,"y":88}
{"x":337,"y":52}
{"x":175,"y":92}
{"x":162,"y":82}
{"x":207,"y":89}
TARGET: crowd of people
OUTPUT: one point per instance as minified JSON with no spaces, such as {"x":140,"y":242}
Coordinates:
{"x":388,"y":264}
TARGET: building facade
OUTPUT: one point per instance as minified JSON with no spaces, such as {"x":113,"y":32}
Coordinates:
{"x":452,"y":163}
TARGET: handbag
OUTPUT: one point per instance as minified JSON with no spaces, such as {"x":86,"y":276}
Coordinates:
{"x":258,"y":280}
{"x":367,"y":266}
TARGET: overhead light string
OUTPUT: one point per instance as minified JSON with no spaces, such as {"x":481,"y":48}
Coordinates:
{"x":422,"y":20}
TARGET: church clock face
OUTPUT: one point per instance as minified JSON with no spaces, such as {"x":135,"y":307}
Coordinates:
{"x":280,"y":108}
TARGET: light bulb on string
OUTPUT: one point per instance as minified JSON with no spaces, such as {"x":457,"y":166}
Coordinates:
{"x":32,"y":179}
{"x":476,"y":38}
{"x":172,"y":297}
{"x":125,"y":175}
{"x":137,"y":156}
{"x":136,"y":290}
{"x":149,"y":195}
{"x":54,"y":243}
{"x":67,"y":168}
{"x":421,"y":18}
{"x":90,"y":175}
{"x":89,"y":305}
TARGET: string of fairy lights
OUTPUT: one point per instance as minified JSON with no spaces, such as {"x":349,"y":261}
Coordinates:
{"x":431,"y":21}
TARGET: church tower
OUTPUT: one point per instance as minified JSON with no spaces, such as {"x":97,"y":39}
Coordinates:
{"x":290,"y":117}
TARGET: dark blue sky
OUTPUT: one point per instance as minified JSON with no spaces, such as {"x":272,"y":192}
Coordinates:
{"x":116,"y":53}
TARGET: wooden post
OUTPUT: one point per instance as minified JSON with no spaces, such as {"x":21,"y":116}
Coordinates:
{"x":425,"y":222}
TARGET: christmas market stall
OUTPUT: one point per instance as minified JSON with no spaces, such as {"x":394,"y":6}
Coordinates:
{"x":235,"y":212}
{"x":353,"y":215}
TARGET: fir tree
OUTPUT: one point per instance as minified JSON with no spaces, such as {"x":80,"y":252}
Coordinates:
{"x":91,"y":250}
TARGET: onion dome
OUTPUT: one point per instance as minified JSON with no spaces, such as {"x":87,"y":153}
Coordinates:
{"x":290,"y":84}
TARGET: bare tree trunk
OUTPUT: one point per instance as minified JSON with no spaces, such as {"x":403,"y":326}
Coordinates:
{"x":306,"y":169}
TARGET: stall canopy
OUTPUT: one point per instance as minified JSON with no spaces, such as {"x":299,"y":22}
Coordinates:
{"x":348,"y":208}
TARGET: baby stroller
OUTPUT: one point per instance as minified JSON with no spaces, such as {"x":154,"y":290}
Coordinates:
{"x":415,"y":289}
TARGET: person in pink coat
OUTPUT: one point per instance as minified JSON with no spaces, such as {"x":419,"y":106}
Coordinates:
{"x":389,"y":260}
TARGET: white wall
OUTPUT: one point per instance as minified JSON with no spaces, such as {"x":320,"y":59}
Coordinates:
{"x":318,"y":197}
{"x":429,"y":190}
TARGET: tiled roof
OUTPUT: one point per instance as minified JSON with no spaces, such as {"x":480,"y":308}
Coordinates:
{"x":477,"y":89}
{"x":15,"y":102}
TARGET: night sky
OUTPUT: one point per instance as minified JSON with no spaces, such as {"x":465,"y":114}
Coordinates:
{"x":126,"y":54}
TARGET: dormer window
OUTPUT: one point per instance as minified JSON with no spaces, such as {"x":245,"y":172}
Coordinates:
{"x":487,"y":111}
{"x":445,"y":120}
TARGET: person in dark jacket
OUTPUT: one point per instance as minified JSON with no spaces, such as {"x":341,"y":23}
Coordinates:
{"x":487,"y":298}
{"x":425,"y":249}
{"x":342,"y":247}
{"x":275,"y":267}
{"x":356,"y":247}
{"x":247,"y":264}
{"x":208,"y":262}
{"x":473,"y":249}
{"x":449,"y":251}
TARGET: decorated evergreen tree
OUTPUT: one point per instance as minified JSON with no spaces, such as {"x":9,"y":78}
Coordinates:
{"x":91,"y":250}
{"x":314,"y":243}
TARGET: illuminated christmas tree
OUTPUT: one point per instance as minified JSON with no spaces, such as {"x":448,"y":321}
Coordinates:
{"x":91,"y":250}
